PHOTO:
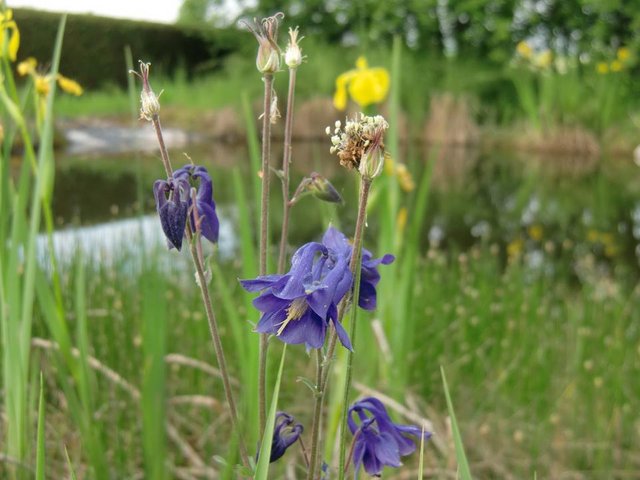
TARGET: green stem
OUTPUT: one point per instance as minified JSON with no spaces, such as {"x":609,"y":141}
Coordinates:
{"x":317,"y":414}
{"x":264,"y":243}
{"x":286,"y":161}
{"x":164,"y":154}
{"x":356,"y":264}
{"x":195,"y":248}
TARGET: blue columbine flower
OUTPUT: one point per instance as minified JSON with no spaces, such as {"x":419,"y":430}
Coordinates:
{"x":173,"y":205}
{"x":285,"y":434}
{"x":369,"y":276}
{"x":378,"y":440}
{"x":298,"y":306}
{"x":206,"y":207}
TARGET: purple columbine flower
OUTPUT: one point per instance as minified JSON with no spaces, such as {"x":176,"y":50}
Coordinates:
{"x":285,"y":434}
{"x":205,"y":205}
{"x":379,"y":441}
{"x":172,"y":203}
{"x":369,"y":276}
{"x":298,"y":306}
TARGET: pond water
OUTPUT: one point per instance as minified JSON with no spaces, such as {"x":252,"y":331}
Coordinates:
{"x":517,"y":201}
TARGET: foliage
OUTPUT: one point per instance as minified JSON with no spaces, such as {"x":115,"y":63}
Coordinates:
{"x":99,"y":43}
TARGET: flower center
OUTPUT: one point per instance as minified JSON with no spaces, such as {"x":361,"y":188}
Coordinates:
{"x":294,"y":312}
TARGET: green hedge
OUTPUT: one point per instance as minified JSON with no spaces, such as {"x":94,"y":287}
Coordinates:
{"x":93,"y":51}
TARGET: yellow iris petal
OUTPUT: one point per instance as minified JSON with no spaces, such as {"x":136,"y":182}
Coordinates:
{"x":14,"y":41}
{"x":365,"y":85}
{"x":369,"y":86}
{"x":27,"y":67}
{"x":43,"y":86}
{"x":361,"y":63}
{"x":340,"y":97}
{"x":69,"y":86}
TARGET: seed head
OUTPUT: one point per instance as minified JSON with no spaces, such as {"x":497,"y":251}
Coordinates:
{"x":266,"y":32}
{"x":293,"y":54}
{"x":360,"y":144}
{"x":149,"y":104}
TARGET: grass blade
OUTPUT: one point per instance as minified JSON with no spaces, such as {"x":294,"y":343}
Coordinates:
{"x":262,"y":469}
{"x":40,"y":446}
{"x":463,"y":465}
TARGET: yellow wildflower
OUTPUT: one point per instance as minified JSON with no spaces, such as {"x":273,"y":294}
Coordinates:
{"x":43,"y":84}
{"x":514,"y":249}
{"x":543,"y":59}
{"x":524,"y":49}
{"x":27,"y":67}
{"x":602,"y":68}
{"x":69,"y":86}
{"x":593,"y":236}
{"x":7,"y":23}
{"x":404,"y":178}
{"x":536,"y":232}
{"x":616,"y":66}
{"x":623,"y":54}
{"x":365,"y":85}
{"x":401,"y":220}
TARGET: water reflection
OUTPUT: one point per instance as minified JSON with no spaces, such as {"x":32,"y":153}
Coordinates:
{"x":476,"y":196}
{"x":108,"y":242}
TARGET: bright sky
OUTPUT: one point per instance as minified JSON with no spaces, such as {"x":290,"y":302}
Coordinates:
{"x":165,"y":11}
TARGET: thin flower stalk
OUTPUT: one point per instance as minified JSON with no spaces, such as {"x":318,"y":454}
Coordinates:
{"x":150,"y":110}
{"x":356,"y":265}
{"x":264,"y":242}
{"x":196,"y":256}
{"x":286,"y":162}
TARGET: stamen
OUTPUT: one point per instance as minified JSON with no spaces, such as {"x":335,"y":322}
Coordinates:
{"x":294,"y":312}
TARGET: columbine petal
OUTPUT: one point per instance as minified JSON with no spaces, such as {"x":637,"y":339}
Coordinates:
{"x":379,"y":441}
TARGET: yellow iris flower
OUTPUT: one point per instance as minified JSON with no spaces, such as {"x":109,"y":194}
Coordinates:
{"x":8,"y":26}
{"x":364,"y":85}
{"x":43,"y":82}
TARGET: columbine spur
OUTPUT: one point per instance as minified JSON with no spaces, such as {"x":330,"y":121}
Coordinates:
{"x":298,"y":306}
{"x":369,"y":276}
{"x":379,"y":441}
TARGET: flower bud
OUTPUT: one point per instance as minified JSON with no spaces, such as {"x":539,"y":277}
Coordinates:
{"x":268,"y":59}
{"x":322,"y":189}
{"x":372,"y":162}
{"x":293,"y":54}
{"x":266,"y":33}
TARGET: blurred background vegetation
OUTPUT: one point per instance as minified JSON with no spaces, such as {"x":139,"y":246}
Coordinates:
{"x":518,"y":236}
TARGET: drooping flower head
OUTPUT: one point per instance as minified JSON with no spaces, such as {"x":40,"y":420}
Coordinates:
{"x":172,"y":204}
{"x":286,"y":433}
{"x":205,"y":211}
{"x":378,"y":441}
{"x":369,"y":276}
{"x":360,"y":144}
{"x":365,"y":85}
{"x":298,"y":306}
{"x":266,"y":32}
